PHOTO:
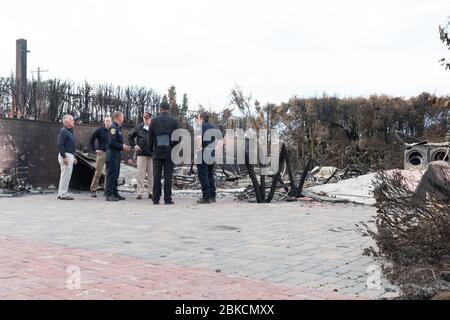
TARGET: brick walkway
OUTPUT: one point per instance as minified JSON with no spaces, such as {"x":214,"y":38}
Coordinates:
{"x":31,"y":270}
{"x":228,"y":250}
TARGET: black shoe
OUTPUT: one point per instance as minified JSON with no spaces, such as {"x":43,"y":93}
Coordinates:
{"x":65,"y":198}
{"x":111,"y":198}
{"x":118,"y":196}
{"x":155,"y":202}
{"x":169,"y":202}
{"x":213,"y":199}
{"x":203,"y":201}
{"x":94,"y":194}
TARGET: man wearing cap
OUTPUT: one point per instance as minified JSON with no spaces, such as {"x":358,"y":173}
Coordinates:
{"x":160,"y":135}
{"x":138,"y":140}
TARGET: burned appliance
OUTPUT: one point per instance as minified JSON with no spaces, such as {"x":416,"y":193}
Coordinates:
{"x":419,"y":155}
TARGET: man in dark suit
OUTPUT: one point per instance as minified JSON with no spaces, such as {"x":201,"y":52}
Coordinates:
{"x":160,"y":135}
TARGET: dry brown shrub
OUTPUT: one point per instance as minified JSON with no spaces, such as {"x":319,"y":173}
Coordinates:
{"x":412,"y":237}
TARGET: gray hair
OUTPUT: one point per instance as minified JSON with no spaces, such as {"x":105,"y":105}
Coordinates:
{"x":66,"y":117}
{"x":117,"y":115}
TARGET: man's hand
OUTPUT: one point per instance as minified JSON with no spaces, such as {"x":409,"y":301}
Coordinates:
{"x":126,"y":148}
{"x":137,"y":148}
{"x":66,"y":162}
{"x":98,"y":151}
{"x":75,"y":161}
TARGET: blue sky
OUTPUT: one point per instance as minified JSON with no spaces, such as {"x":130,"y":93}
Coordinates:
{"x":274,"y":49}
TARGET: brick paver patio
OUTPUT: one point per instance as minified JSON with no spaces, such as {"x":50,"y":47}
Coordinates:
{"x":227,"y":250}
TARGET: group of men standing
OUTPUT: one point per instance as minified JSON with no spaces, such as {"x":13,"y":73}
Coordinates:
{"x":151,"y":141}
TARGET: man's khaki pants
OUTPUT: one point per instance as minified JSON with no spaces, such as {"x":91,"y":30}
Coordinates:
{"x":66,"y":174}
{"x":99,"y":164}
{"x":145,"y":167}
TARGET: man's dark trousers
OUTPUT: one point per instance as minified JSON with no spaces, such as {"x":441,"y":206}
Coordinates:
{"x":206,"y":177}
{"x":158,"y":166}
{"x":113,"y":172}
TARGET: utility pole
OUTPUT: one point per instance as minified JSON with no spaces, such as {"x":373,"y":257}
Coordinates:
{"x":39,"y":90}
{"x":39,"y":71}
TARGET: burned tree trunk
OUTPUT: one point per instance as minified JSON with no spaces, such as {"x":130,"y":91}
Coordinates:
{"x":277,"y":177}
{"x":298,"y":191}
{"x":260,"y":186}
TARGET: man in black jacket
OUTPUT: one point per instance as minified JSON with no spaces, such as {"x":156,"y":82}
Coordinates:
{"x":160,"y":142}
{"x":138,"y":140}
{"x":101,"y":135}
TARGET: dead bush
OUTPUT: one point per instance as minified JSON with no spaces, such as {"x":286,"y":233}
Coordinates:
{"x":412,"y":236}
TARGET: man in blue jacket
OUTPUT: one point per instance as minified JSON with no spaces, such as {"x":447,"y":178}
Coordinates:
{"x":66,"y":156}
{"x":101,"y":136}
{"x":113,"y":157}
{"x":206,"y":169}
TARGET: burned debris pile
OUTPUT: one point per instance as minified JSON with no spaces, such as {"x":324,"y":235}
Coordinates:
{"x":293,"y":184}
{"x":11,"y":184}
{"x":227,"y":177}
{"x":309,"y":185}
